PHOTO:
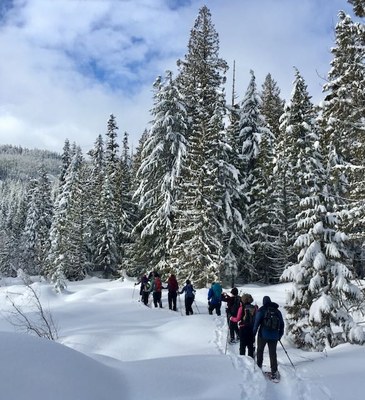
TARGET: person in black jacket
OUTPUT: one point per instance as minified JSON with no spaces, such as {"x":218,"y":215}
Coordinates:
{"x":269,"y":324}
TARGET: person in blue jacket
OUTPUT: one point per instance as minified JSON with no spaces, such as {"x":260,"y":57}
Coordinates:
{"x":267,"y":334}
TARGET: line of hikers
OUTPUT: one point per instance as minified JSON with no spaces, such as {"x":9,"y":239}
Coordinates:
{"x":244,"y":319}
{"x":152,"y":284}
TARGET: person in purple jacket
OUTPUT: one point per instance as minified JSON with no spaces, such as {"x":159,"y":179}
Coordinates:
{"x":269,"y":324}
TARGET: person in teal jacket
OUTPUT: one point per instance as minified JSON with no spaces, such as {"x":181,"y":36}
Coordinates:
{"x":268,"y":335}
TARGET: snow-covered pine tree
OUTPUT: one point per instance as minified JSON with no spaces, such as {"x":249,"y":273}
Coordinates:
{"x":35,"y":238}
{"x":254,"y":143}
{"x":271,"y":106}
{"x":66,"y":256}
{"x":359,"y":7}
{"x":92,"y":205}
{"x":343,"y":128}
{"x":323,"y":295}
{"x":127,"y":205}
{"x":198,"y":246}
{"x":287,"y":170}
{"x":110,"y":216}
{"x":159,"y":173}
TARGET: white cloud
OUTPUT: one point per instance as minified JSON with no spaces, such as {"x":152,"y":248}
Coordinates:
{"x":68,"y":64}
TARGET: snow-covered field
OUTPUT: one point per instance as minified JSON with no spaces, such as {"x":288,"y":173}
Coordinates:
{"x":111,"y":346}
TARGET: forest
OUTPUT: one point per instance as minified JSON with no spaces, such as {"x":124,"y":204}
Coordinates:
{"x":257,"y":190}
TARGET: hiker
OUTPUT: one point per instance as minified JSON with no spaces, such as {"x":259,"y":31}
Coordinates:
{"x":147,"y":287}
{"x":156,"y":290}
{"x":245,"y":319}
{"x":215,"y":298}
{"x":233,"y":301}
{"x":143,"y":280}
{"x":173,"y":288}
{"x":189,"y":297}
{"x":270,"y":326}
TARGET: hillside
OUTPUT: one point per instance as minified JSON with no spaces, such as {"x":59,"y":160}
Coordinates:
{"x":18,"y":163}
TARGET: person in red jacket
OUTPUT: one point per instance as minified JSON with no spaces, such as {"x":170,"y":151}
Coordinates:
{"x":173,"y":288}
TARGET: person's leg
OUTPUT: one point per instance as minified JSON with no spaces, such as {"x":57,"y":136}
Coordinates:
{"x":218,"y":308}
{"x":154,"y":297}
{"x":260,"y":350}
{"x":191,"y":301}
{"x":272,"y":344}
{"x":250,"y":341}
{"x":242,"y":342}
{"x":169,"y":300}
{"x":174,"y":295}
{"x":232,"y":330}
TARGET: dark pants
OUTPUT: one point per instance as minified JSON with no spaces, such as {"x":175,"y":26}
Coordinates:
{"x":145,"y":296}
{"x":189,"y":305}
{"x":233,"y":329}
{"x":157,"y":299}
{"x":216,"y":307}
{"x":272,"y":344}
{"x":171,"y":298}
{"x":246,"y":340}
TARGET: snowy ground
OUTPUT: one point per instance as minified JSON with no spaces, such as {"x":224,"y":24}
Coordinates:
{"x":111,"y":346}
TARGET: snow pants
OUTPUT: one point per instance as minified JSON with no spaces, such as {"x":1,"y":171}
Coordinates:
{"x":272,"y":344}
{"x":171,"y":298}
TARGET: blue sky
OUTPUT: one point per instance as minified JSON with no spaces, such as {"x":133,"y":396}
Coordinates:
{"x":66,"y":65}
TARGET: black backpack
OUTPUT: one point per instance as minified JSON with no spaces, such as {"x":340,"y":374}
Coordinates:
{"x":271,"y":319}
{"x":235,"y":306}
{"x":248,"y":315}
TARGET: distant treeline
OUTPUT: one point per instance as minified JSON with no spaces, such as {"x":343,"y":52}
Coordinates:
{"x":19,"y":163}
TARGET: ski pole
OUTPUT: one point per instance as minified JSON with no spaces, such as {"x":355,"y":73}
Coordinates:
{"x":197,"y":307}
{"x":134,"y":288}
{"x":287,"y":354}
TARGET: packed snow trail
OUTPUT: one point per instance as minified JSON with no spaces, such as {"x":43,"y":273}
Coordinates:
{"x":254,"y":384}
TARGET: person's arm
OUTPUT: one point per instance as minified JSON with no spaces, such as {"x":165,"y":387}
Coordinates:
{"x":239,"y":314}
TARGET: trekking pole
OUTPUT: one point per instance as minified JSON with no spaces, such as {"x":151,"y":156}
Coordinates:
{"x":134,"y":288}
{"x":287,"y":354}
{"x":197,"y":307}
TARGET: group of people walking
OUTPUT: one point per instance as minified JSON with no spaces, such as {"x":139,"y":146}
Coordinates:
{"x":152,"y":284}
{"x":244,"y":319}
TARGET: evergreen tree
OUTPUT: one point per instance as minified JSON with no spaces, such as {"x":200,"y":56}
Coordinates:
{"x":343,"y":128}
{"x":359,"y":7}
{"x":38,"y":222}
{"x":271,"y":106}
{"x":127,"y":205}
{"x":198,"y":244}
{"x":255,"y":145}
{"x":66,"y":256}
{"x":163,"y":153}
{"x":92,"y":206}
{"x":323,"y":293}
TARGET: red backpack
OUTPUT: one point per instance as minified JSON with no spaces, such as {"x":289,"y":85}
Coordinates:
{"x":158,"y":285}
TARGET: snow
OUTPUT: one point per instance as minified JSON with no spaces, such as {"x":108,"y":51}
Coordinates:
{"x":111,"y":346}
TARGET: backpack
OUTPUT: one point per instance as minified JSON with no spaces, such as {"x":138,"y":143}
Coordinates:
{"x":158,"y":285}
{"x":271,"y":319}
{"x":217,"y":291}
{"x":147,"y":286}
{"x":172,"y":284}
{"x":248,"y":316}
{"x":235,"y":306}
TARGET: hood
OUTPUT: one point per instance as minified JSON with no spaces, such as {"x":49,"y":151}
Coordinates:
{"x":266,"y":300}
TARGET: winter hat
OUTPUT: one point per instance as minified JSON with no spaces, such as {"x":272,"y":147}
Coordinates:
{"x":234,"y":291}
{"x":246,"y":298}
{"x":266,"y":300}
